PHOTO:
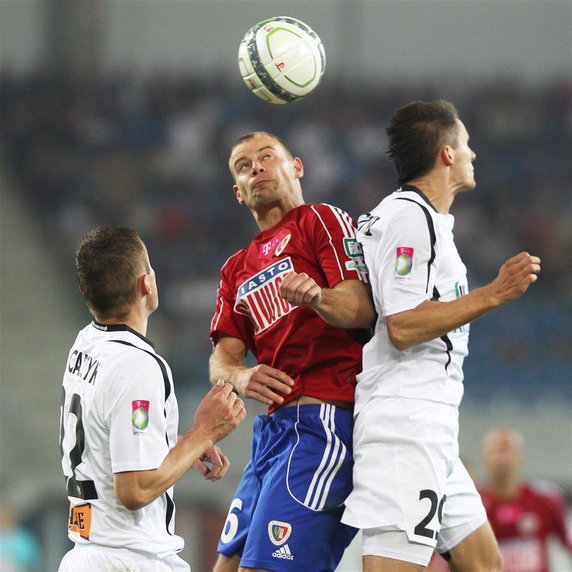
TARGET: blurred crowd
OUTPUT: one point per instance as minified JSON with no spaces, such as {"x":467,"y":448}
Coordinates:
{"x":152,"y":154}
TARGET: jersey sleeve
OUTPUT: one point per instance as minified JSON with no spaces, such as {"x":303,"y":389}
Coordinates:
{"x":225,"y":321}
{"x":403,"y":259}
{"x":340,"y":255}
{"x":138,"y":438}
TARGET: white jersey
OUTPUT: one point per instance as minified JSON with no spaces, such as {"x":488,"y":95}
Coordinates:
{"x":119,"y":413}
{"x":411,"y":257}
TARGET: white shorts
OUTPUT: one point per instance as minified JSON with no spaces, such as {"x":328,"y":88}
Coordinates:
{"x":408,"y":476}
{"x":90,"y":558}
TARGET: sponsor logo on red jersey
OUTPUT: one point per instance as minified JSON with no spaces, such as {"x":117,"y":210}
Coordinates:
{"x":259,"y":296}
{"x":275,"y":245}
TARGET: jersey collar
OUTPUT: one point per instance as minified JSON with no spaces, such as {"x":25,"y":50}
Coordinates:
{"x":120,"y":328}
{"x":415,"y":190}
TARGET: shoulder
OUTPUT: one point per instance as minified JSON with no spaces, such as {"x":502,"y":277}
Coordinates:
{"x":132,"y":356}
{"x":399,"y":204}
{"x":136,"y":364}
{"x":546,"y":489}
{"x":396,"y":213}
{"x":325,"y":209}
{"x":234,"y":261}
{"x":328,"y":217}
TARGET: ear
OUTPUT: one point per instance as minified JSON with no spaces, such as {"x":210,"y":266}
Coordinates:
{"x":298,"y":167}
{"x":144,"y":285}
{"x":447,"y":155}
{"x":237,"y":194}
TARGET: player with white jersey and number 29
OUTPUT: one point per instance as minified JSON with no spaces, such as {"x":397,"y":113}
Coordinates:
{"x":121,"y":454}
{"x":411,"y":491}
{"x":296,"y":298}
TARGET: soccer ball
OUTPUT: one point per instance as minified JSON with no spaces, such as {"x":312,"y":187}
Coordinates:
{"x":281,"y":59}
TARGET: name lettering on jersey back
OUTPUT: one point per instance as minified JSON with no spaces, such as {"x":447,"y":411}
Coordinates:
{"x":84,"y":366}
{"x":259,"y":296}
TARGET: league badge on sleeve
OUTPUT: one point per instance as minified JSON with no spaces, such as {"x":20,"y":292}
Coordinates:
{"x":354,"y":251}
{"x":140,"y":415}
{"x":403,"y":261}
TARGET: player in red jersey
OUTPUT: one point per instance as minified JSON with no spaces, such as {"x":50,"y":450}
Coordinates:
{"x":295,"y":298}
{"x":524,"y":515}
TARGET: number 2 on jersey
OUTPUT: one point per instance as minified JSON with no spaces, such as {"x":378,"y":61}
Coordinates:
{"x":436,"y":507}
{"x":80,"y":489}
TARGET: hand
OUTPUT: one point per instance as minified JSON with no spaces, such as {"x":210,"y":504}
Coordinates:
{"x":218,"y":462}
{"x":262,"y":383}
{"x":219,"y":412}
{"x":300,"y":289}
{"x":515,"y":276}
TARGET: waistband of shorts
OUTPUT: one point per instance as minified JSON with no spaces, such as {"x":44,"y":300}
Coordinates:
{"x":309,"y":410}
{"x":120,"y":551}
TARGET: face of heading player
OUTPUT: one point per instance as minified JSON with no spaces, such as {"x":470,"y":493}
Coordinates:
{"x":265,"y":174}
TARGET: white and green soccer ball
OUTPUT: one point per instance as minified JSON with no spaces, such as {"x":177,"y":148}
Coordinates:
{"x":281,"y":59}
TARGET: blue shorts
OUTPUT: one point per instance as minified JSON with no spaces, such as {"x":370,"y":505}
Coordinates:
{"x":286,"y":512}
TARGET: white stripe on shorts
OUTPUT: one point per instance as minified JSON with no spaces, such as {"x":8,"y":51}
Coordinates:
{"x":330,"y":464}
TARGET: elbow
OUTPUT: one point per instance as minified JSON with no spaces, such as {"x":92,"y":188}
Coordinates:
{"x":400,"y":344}
{"x":133,"y":506}
{"x":133,"y":502}
{"x":398,"y":338}
{"x":133,"y":497}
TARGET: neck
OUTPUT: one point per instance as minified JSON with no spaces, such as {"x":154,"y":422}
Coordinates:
{"x":506,"y":487}
{"x":135,"y":322}
{"x":267,"y":218}
{"x":438,"y":193}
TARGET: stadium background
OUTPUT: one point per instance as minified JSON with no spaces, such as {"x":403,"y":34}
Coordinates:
{"x":117,"y":112}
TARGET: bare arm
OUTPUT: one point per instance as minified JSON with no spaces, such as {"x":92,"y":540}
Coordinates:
{"x":348,"y":305}
{"x":432,"y":320}
{"x":260,"y":382}
{"x":217,"y":415}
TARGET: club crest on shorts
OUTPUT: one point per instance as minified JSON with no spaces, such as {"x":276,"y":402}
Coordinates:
{"x":403,"y":261}
{"x":140,"y":415}
{"x":279,"y":532}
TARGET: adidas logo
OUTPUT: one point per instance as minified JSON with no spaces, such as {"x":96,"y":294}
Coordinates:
{"x":283,"y":552}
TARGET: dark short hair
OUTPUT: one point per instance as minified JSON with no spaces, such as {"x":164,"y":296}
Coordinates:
{"x":415,"y":134}
{"x":108,"y":263}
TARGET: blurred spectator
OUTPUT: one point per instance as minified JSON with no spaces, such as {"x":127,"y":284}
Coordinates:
{"x":524,"y":515}
{"x":19,"y":549}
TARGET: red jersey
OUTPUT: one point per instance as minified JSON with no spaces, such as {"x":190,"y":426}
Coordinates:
{"x":524,"y":525}
{"x":317,"y":239}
